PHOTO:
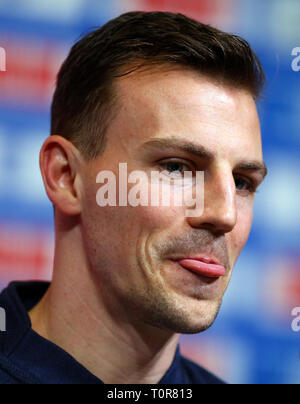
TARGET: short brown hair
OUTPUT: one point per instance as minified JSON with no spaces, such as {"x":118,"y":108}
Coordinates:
{"x":84,"y":101}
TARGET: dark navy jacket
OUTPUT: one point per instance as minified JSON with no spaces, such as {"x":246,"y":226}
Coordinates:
{"x":28,"y":358}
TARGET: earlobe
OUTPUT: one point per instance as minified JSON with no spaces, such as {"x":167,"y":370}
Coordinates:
{"x":59,"y":168}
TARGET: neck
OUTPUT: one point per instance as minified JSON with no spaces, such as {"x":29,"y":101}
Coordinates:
{"x":75,"y":315}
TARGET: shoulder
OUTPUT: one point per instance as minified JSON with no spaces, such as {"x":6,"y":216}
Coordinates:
{"x":198,"y":375}
{"x":8,"y":372}
{"x":5,"y":378}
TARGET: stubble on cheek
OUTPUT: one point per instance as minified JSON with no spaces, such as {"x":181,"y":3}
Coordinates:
{"x":124,"y":250}
{"x":157,"y":302}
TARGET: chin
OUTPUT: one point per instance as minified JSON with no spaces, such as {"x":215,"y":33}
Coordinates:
{"x":188,"y":326}
{"x":185,"y":320}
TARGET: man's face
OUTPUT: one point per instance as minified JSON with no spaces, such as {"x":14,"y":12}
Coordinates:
{"x":133,"y":250}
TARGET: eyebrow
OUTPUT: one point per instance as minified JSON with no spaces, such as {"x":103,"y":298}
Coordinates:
{"x":202,"y":152}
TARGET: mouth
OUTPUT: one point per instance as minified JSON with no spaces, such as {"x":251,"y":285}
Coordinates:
{"x":202,"y":266}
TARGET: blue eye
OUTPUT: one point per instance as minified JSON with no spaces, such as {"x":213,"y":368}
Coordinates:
{"x":174,"y":167}
{"x":244,"y":185}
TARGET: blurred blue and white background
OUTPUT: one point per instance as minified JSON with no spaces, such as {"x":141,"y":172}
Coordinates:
{"x":252,"y":340}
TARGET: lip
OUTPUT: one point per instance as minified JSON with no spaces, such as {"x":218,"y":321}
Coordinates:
{"x":203,"y":266}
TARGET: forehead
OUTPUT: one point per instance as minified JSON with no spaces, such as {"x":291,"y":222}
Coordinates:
{"x":183,"y":104}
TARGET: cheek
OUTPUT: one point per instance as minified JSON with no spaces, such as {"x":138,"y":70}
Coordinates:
{"x":154,"y":217}
{"x":142,"y":211}
{"x":240,"y":233}
{"x":124,"y":224}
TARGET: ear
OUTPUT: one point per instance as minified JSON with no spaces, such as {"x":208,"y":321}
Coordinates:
{"x":59,"y":164}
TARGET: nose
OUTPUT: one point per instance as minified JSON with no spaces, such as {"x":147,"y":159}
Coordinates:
{"x":220,"y":211}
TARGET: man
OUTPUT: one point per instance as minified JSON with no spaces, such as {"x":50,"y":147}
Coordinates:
{"x":159,"y":92}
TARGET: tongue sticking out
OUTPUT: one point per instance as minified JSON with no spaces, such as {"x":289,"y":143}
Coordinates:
{"x":203,"y":268}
